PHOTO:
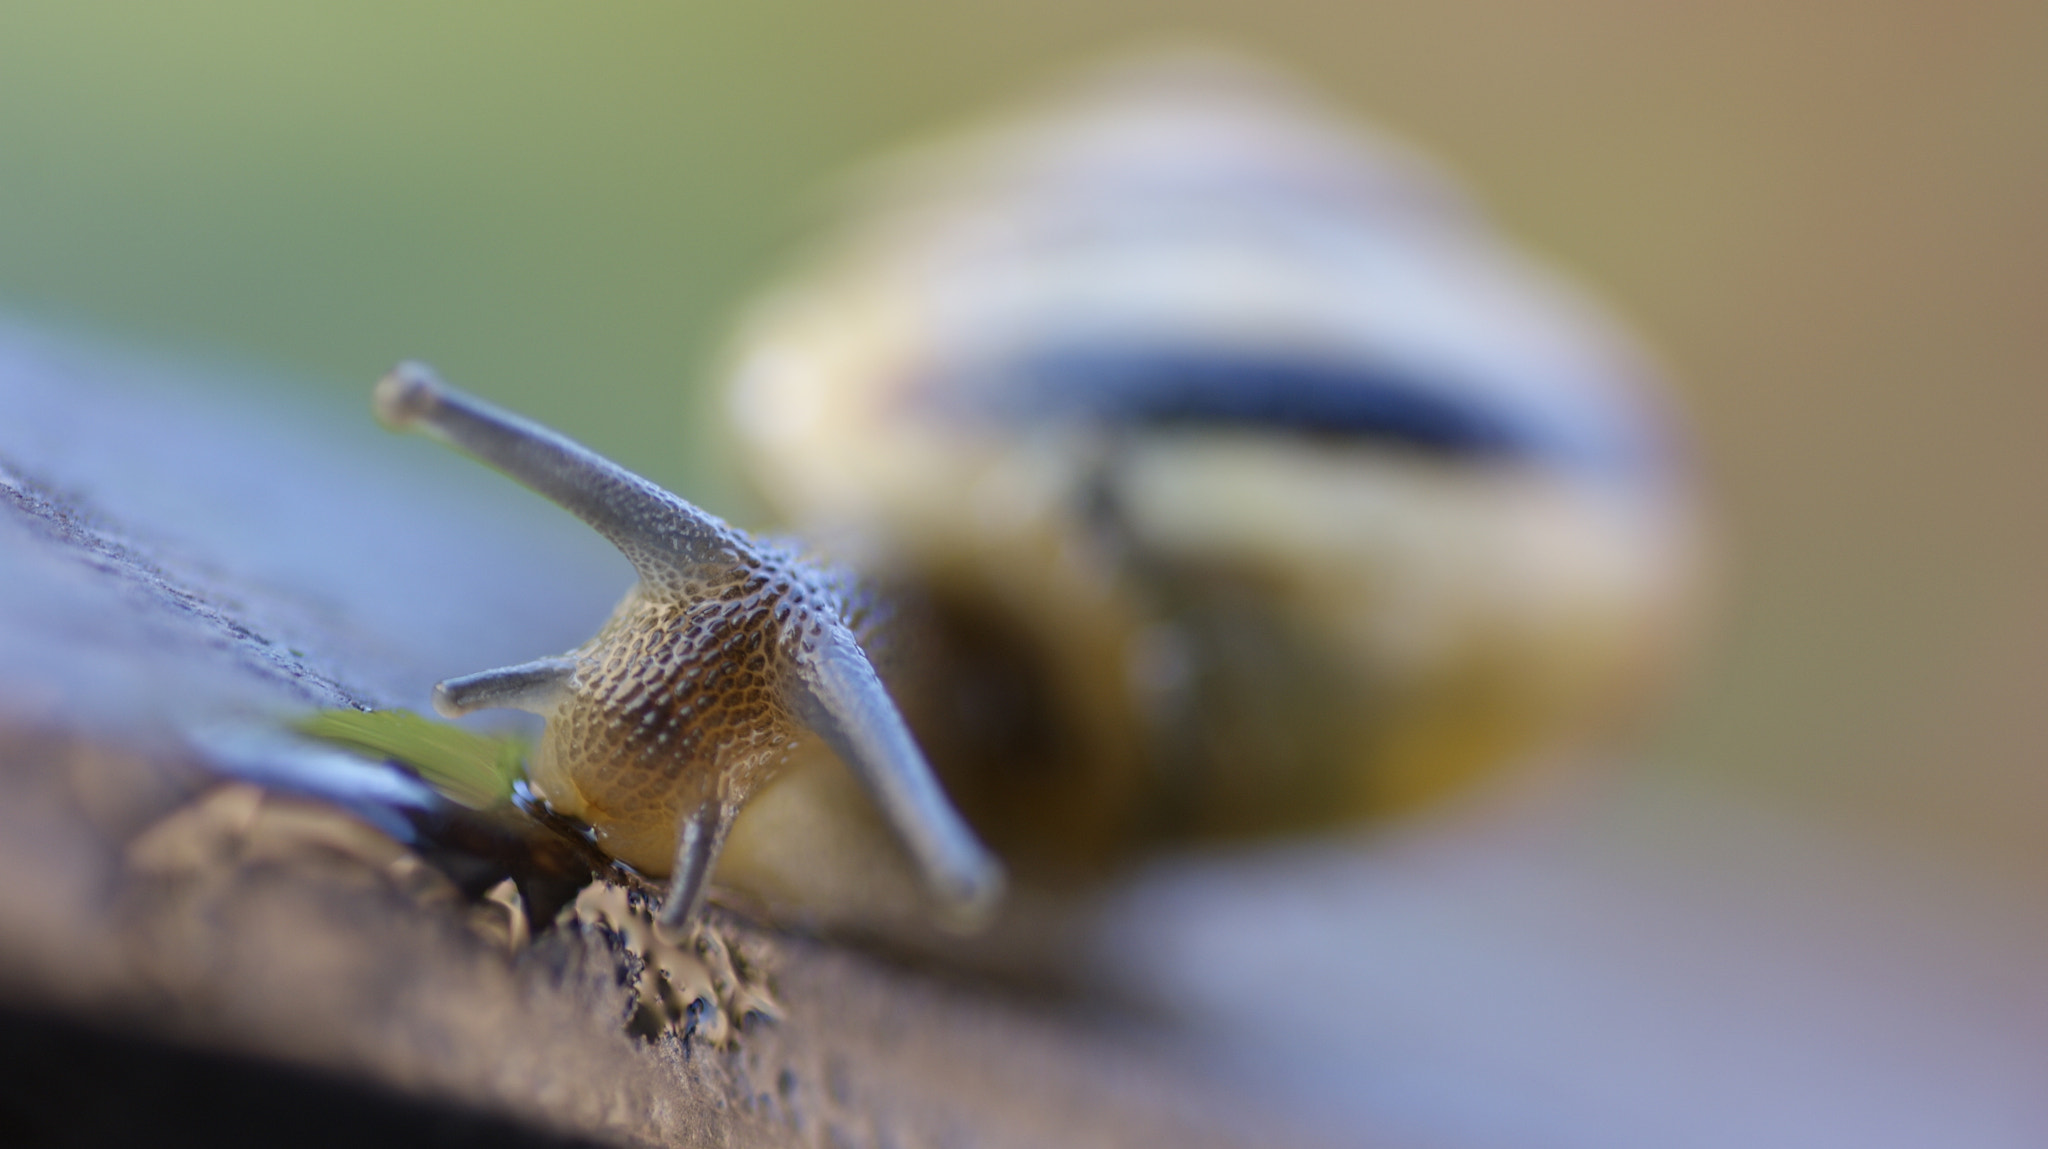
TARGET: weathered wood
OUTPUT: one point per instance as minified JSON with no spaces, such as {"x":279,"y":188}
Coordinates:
{"x":182,"y":569}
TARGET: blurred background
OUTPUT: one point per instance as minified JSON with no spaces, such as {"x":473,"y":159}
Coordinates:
{"x":1828,"y":218}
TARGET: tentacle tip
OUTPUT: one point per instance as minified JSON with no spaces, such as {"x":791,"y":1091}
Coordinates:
{"x":674,"y":925}
{"x":444,"y":702}
{"x":967,"y":902}
{"x":408,"y":393}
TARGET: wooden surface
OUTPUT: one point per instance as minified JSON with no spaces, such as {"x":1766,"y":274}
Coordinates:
{"x":1642,"y":963}
{"x":184,"y":567}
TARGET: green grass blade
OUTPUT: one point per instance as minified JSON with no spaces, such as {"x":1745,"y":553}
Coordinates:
{"x":475,"y":770}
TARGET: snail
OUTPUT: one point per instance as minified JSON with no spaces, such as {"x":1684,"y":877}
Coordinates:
{"x":725,"y":651}
{"x":1226,"y":477}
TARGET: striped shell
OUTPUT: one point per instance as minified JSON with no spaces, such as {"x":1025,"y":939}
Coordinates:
{"x":1235,"y":476}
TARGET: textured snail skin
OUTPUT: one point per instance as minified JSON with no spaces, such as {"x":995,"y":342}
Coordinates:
{"x":724,"y":658}
{"x":1248,"y":482}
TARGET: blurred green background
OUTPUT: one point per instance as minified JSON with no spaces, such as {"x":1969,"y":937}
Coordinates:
{"x":1829,"y":218}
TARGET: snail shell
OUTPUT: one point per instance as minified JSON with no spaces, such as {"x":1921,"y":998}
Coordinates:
{"x":1241,"y":480}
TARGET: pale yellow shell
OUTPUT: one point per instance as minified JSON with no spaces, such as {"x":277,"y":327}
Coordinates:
{"x":1277,"y":629}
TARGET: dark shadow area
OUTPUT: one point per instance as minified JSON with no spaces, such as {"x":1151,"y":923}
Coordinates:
{"x":66,"y":1083}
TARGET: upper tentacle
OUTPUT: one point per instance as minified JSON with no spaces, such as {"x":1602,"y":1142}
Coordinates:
{"x":669,"y":542}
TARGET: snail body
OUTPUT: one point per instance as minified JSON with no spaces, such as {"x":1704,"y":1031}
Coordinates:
{"x":717,"y":663}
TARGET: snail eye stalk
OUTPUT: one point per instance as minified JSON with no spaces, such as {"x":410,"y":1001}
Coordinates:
{"x":662,"y":726}
{"x":669,"y":542}
{"x":843,"y":701}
